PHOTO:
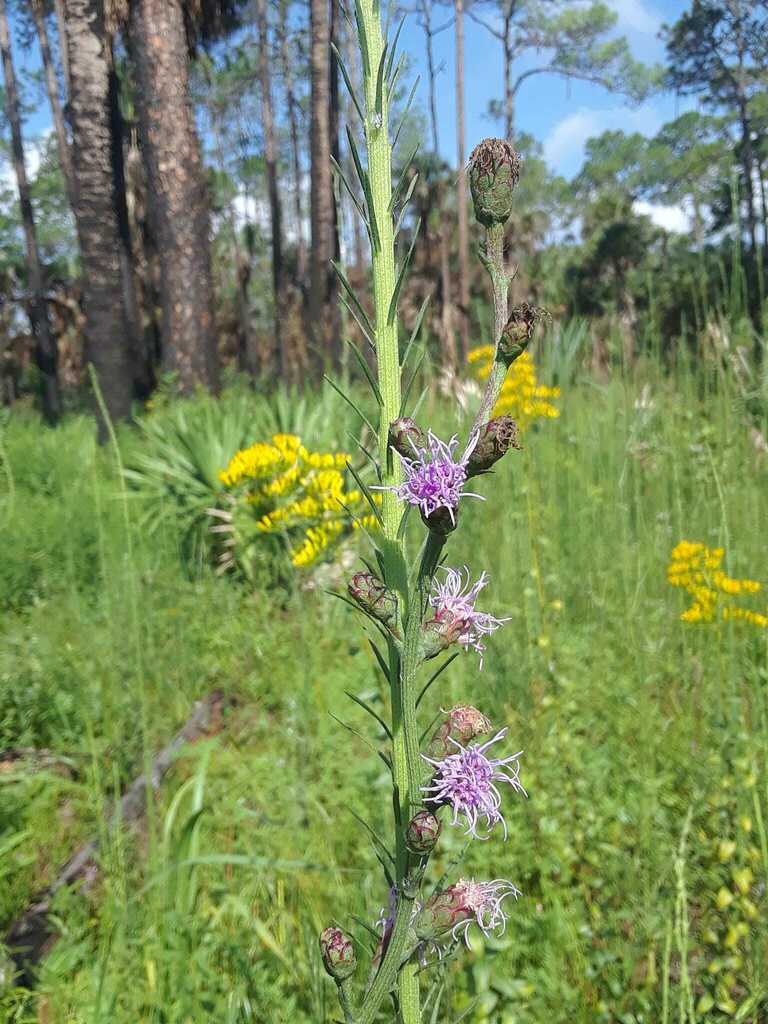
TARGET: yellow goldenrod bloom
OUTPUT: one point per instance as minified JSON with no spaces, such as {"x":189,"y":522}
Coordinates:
{"x":522,"y":397}
{"x":695,"y":568}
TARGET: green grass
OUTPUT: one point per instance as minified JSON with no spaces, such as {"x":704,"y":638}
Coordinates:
{"x":644,"y":738}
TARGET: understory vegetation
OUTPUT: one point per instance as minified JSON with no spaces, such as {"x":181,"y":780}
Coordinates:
{"x":641,"y":851}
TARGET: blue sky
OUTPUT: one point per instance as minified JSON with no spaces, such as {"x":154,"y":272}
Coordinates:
{"x":560,"y":114}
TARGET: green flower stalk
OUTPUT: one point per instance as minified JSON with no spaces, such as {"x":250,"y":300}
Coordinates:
{"x":417,"y":613}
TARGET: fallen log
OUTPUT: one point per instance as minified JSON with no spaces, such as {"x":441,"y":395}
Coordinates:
{"x":31,"y":934}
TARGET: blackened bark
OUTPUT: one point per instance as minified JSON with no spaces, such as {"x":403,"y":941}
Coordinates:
{"x":177,"y":184}
{"x":45,"y":343}
{"x":106,"y":328}
{"x":275,"y":205}
{"x":322,"y":205}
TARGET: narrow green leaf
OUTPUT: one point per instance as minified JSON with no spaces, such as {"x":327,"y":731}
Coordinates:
{"x":396,"y":76}
{"x":350,"y":292}
{"x":363,"y":38}
{"x":430,"y":727}
{"x":409,"y":385}
{"x":401,"y":180}
{"x":366,"y":453}
{"x":392,"y":312}
{"x":341,"y":176}
{"x":366,"y":370}
{"x":379,"y":104}
{"x":354,"y":732}
{"x":351,"y":404}
{"x":366,"y":707}
{"x":435,"y":675}
{"x":368,"y":496}
{"x":373,"y":834}
{"x":380,"y":659}
{"x":366,"y":926}
{"x":405,"y":113}
{"x":385,"y":868}
{"x":357,"y":320}
{"x":415,"y":331}
{"x":348,"y":82}
{"x":404,"y":205}
{"x":365,"y":185}
{"x":403,"y":522}
{"x":393,"y":48}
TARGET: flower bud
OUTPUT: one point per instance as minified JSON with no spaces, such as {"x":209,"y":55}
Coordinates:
{"x":442,"y":912}
{"x":518,"y":331}
{"x":338,"y":954}
{"x":406,"y":436}
{"x":462,"y":724}
{"x":438,"y":634}
{"x":496,"y":438}
{"x":422,"y":833}
{"x":443,"y":520}
{"x":373,"y":596}
{"x":494,"y":170}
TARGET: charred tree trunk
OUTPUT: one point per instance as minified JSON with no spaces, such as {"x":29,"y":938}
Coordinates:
{"x":426,"y":20}
{"x":177,"y":184}
{"x":462,"y":186}
{"x":52,"y":88}
{"x":275,"y":205}
{"x":106,"y":329}
{"x":61,"y":28}
{"x":293,"y":121}
{"x":322,"y":206}
{"x":45,"y":343}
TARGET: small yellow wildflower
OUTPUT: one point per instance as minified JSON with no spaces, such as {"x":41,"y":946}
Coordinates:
{"x":522,"y":397}
{"x":695,"y":568}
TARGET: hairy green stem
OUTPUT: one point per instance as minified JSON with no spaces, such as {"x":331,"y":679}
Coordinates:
{"x":493,"y":258}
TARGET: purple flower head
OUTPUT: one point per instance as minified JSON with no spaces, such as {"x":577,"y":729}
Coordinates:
{"x":484,"y":900}
{"x":433,"y":479}
{"x":454,"y":604}
{"x":465,"y":781}
{"x":452,"y":911}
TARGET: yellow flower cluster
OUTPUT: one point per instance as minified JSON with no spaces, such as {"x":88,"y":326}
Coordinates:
{"x":522,"y":397}
{"x":296,"y":493}
{"x":695,"y":568}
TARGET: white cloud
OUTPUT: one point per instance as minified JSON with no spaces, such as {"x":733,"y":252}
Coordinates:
{"x":635,"y":16}
{"x":671,"y":218}
{"x":564,"y":146}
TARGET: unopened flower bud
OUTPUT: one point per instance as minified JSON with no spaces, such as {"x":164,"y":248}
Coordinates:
{"x":338,"y":954}
{"x":406,"y":437}
{"x":441,"y":913}
{"x":462,"y":724}
{"x":422,"y":833}
{"x":438,"y":634}
{"x":494,"y":170}
{"x":496,"y":438}
{"x":443,"y":520}
{"x":518,"y":330}
{"x":373,"y":596}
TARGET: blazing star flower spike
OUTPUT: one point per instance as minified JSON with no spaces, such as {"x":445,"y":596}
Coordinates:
{"x":433,"y":478}
{"x":453,"y":910}
{"x":454,"y":602}
{"x":465,"y":782}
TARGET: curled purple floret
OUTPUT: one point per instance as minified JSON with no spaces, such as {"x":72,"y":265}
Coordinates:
{"x":434,"y":479}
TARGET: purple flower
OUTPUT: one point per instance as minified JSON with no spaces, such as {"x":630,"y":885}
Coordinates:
{"x":465,"y":780}
{"x":484,"y":900}
{"x":452,"y":911}
{"x":454,"y":604}
{"x":433,"y":479}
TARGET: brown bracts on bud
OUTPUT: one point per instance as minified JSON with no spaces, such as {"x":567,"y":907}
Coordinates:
{"x":494,"y":170}
{"x":338,"y":954}
{"x":422,"y":833}
{"x":438,"y":634}
{"x":373,"y":597}
{"x":496,"y":438}
{"x":406,"y":437}
{"x":443,"y":520}
{"x":462,"y":724}
{"x":518,"y":331}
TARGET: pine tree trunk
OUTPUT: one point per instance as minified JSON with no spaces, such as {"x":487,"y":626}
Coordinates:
{"x":275,"y":204}
{"x":45,"y":343}
{"x":322,"y":206}
{"x":52,"y":88}
{"x":509,"y":98}
{"x":292,"y":110}
{"x":106,"y":330}
{"x":178,"y":189}
{"x":461,"y":185}
{"x":61,"y":28}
